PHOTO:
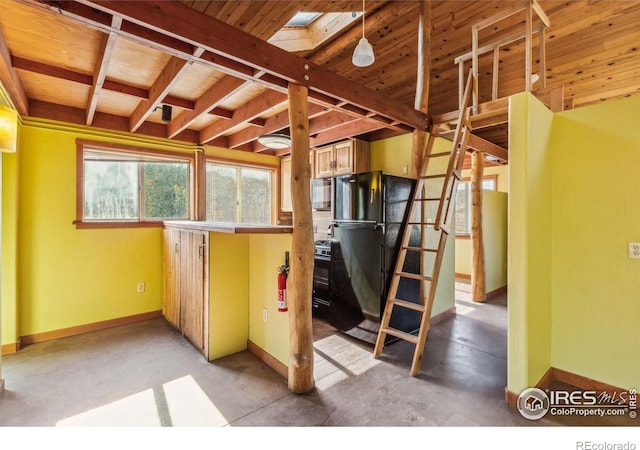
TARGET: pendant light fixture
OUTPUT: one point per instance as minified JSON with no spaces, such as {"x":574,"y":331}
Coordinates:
{"x":363,"y":54}
{"x":276,"y":141}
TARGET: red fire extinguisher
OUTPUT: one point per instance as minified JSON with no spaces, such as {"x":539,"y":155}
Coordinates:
{"x":282,"y":288}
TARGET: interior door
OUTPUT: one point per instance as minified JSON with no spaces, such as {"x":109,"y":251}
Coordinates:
{"x":193,"y":264}
{"x":171,"y":262}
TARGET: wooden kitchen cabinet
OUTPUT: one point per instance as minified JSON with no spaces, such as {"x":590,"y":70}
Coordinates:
{"x":208,"y":268}
{"x":343,"y":158}
{"x":285,"y":181}
{"x":285,"y":184}
{"x":185,"y":303}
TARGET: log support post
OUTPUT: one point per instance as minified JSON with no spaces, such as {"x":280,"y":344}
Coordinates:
{"x":478,"y":288}
{"x":300,"y":375}
{"x":421,"y":103}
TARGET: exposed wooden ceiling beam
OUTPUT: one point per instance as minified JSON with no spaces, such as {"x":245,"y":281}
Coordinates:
{"x":170,"y":75}
{"x":10,"y":79}
{"x":167,"y":43}
{"x":249,"y":111}
{"x":215,"y":95}
{"x":273,"y":124}
{"x":476,"y":143}
{"x":178,"y":21}
{"x":109,"y":85}
{"x":107,"y":45}
{"x":351,"y":129}
{"x":109,"y":121}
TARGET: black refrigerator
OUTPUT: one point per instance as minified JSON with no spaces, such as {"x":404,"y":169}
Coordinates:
{"x":369,"y":216}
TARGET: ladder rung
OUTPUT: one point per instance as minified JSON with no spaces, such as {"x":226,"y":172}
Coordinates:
{"x":401,"y":334}
{"x":438,"y":155}
{"x":431,"y":177}
{"x":414,"y":276}
{"x":456,"y":174}
{"x":421,"y":223}
{"x":429,"y":199}
{"x":408,"y":305}
{"x":418,"y":249}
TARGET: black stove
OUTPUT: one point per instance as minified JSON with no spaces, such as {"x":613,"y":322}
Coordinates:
{"x":323,"y":250}
{"x":321,"y":301}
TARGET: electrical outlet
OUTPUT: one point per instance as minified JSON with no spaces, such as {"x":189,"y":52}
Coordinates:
{"x":634,"y":250}
{"x":140,"y":287}
{"x":264,"y":314}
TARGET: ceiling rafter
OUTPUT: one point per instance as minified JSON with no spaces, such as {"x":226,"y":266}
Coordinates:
{"x":273,"y":124}
{"x":10,"y":79}
{"x":109,"y":85}
{"x":107,"y":44}
{"x":214,"y":96}
{"x":351,"y":129}
{"x":245,"y":113}
{"x":167,"y":42}
{"x":178,"y":21}
{"x":170,"y":75}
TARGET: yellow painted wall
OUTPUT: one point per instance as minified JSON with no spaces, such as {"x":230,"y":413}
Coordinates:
{"x":8,"y":276}
{"x":267,"y":254}
{"x":228,"y":293}
{"x":69,"y":277}
{"x":502,"y":173}
{"x":595,"y":213}
{"x":529,"y":254}
{"x":494,"y":227}
{"x":392,"y":156}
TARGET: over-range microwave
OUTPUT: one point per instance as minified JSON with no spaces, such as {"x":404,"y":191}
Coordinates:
{"x":321,"y":193}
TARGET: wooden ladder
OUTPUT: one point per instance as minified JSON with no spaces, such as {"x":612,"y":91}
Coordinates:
{"x":428,"y":221}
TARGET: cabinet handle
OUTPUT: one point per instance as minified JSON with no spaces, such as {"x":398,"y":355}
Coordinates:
{"x":177,"y":248}
{"x":200,"y":250}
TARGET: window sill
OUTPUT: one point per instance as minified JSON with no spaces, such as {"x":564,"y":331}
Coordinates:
{"x":463,"y":236}
{"x":115,"y":224}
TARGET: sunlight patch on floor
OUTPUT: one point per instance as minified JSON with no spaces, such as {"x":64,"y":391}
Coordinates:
{"x":337,"y":358}
{"x":137,"y":410}
{"x":179,"y":403}
{"x":189,"y":405}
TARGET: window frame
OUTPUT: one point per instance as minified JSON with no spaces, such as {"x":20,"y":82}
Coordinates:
{"x":493,"y":177}
{"x":275,"y":181}
{"x":82,"y":145}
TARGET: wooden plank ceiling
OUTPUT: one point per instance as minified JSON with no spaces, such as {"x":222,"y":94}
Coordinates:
{"x":114,"y":64}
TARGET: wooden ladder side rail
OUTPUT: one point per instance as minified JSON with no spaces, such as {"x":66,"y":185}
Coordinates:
{"x":402,"y":254}
{"x":456,"y":149}
{"x":421,"y":341}
{"x":450,"y":178}
{"x":404,"y":245}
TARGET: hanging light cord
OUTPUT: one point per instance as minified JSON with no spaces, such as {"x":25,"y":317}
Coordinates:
{"x":363,"y":18}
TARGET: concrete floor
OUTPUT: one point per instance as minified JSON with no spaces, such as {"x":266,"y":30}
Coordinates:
{"x":146,"y":374}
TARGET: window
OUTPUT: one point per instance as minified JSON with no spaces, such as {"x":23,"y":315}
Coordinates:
{"x":463,"y":203}
{"x":124,"y":186}
{"x":303,"y":19}
{"x":239,"y":194}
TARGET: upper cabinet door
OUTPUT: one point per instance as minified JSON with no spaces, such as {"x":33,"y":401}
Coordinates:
{"x":285,"y":184}
{"x":324,"y":162}
{"x":343,"y":156}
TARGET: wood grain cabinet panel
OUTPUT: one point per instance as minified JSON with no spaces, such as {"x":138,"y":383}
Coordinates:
{"x":342,"y":158}
{"x":185,"y":303}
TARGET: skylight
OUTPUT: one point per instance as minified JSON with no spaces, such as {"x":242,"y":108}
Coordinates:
{"x":303,"y":19}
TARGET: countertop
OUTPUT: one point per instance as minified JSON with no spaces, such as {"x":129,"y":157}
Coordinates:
{"x":232,"y":228}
